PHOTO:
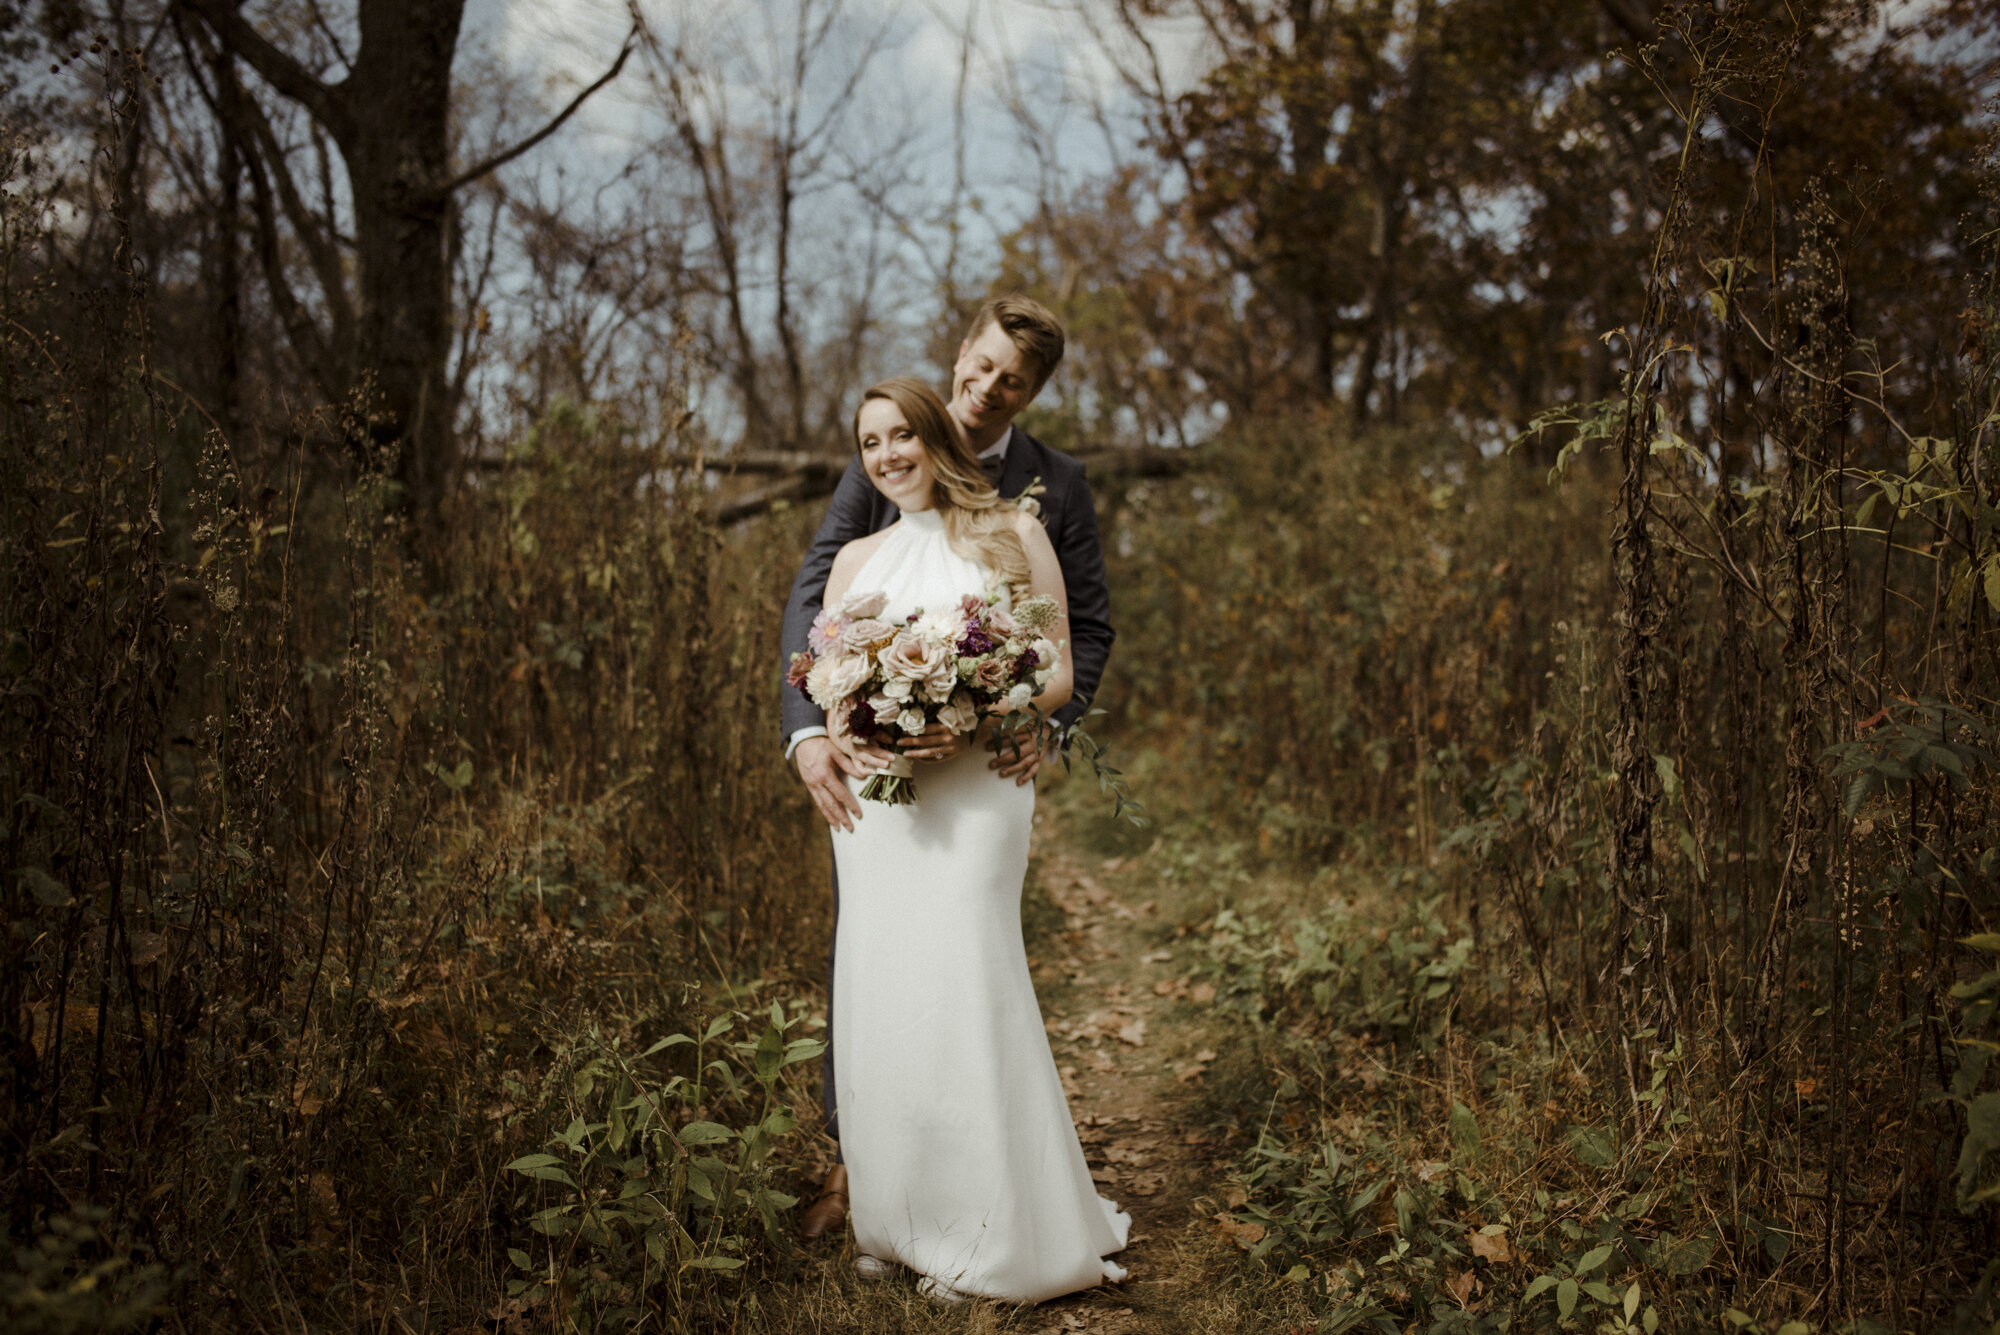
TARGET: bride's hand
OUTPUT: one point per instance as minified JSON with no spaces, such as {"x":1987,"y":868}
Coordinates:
{"x":867,"y":757}
{"x":934,"y":745}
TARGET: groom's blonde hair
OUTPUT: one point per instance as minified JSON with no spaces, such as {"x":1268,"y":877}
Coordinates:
{"x":1032,"y":326}
{"x":979,"y":525}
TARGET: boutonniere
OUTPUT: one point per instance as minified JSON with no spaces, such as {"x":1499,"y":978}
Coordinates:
{"x":1027,"y":499}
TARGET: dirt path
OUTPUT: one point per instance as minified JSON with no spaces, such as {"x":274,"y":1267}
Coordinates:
{"x":1109,"y":987}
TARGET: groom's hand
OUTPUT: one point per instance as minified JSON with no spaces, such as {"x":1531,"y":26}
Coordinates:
{"x":824,"y":767}
{"x":1019,"y":754}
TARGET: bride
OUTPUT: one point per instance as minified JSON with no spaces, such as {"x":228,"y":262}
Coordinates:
{"x":962,"y":1161}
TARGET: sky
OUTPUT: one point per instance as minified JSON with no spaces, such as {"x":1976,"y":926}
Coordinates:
{"x":1040,"y":48}
{"x":1038,"y":55}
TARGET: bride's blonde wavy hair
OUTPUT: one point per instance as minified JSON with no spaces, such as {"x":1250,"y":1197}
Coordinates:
{"x":978,"y":524}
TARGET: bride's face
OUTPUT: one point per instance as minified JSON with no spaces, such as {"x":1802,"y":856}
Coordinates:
{"x":894,"y":458}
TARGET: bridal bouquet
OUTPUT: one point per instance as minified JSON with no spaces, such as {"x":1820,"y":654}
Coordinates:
{"x":880,"y":678}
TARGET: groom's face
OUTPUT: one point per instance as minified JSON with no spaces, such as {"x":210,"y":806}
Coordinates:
{"x":991,"y":381}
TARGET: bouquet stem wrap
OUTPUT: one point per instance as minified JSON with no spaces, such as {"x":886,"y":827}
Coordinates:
{"x":895,"y":786}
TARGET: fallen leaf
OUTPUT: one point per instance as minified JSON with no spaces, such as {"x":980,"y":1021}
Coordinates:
{"x":1202,"y":993}
{"x":1242,"y":1234}
{"x":1805,"y":1089}
{"x":1111,"y":864}
{"x":1460,"y":1288}
{"x":1158,"y":957}
{"x":1492,"y":1247}
{"x":1234,"y":1196}
{"x":1205,"y":1055}
{"x":1165,"y":987}
{"x":1133,"y":1033}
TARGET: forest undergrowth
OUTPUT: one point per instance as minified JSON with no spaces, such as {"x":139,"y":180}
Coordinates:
{"x":1584,"y":854}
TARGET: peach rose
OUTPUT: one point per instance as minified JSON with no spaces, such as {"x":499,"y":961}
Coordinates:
{"x":862,"y":606}
{"x":961,"y":714}
{"x":836,"y":677}
{"x":914,"y":656}
{"x":864,"y":633}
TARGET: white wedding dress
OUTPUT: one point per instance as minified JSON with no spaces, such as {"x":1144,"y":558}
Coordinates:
{"x":962,"y":1160}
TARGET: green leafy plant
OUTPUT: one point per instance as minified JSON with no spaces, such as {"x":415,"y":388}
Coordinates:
{"x":1909,"y":740}
{"x":1397,"y":980}
{"x":1976,"y":1037}
{"x":662,"y":1186}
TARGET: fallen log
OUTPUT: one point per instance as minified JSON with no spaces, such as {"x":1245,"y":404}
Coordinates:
{"x":803,"y":476}
{"x":813,"y":476}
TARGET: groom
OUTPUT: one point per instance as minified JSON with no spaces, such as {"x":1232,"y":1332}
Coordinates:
{"x":1012,"y":348}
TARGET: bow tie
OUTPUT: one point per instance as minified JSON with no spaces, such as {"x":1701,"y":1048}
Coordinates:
{"x":994,"y":465}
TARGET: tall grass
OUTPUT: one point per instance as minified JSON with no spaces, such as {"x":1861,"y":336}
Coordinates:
{"x":334,"y":885}
{"x":1692,"y":739}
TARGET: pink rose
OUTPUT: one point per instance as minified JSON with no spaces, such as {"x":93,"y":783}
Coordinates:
{"x":992,"y":676}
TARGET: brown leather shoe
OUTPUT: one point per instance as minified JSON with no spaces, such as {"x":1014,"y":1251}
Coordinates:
{"x":829,"y":1212}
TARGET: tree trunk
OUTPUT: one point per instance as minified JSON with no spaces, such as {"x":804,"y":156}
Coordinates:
{"x":397,"y":164}
{"x":390,"y":119}
{"x":227,"y":258}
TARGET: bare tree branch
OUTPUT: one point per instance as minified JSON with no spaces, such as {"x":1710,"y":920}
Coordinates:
{"x":507,"y":155}
{"x":325,"y":101}
{"x":308,"y":342}
{"x":326,"y":31}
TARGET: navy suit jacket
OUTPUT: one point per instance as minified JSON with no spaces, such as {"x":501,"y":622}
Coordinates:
{"x":1069,"y":514}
